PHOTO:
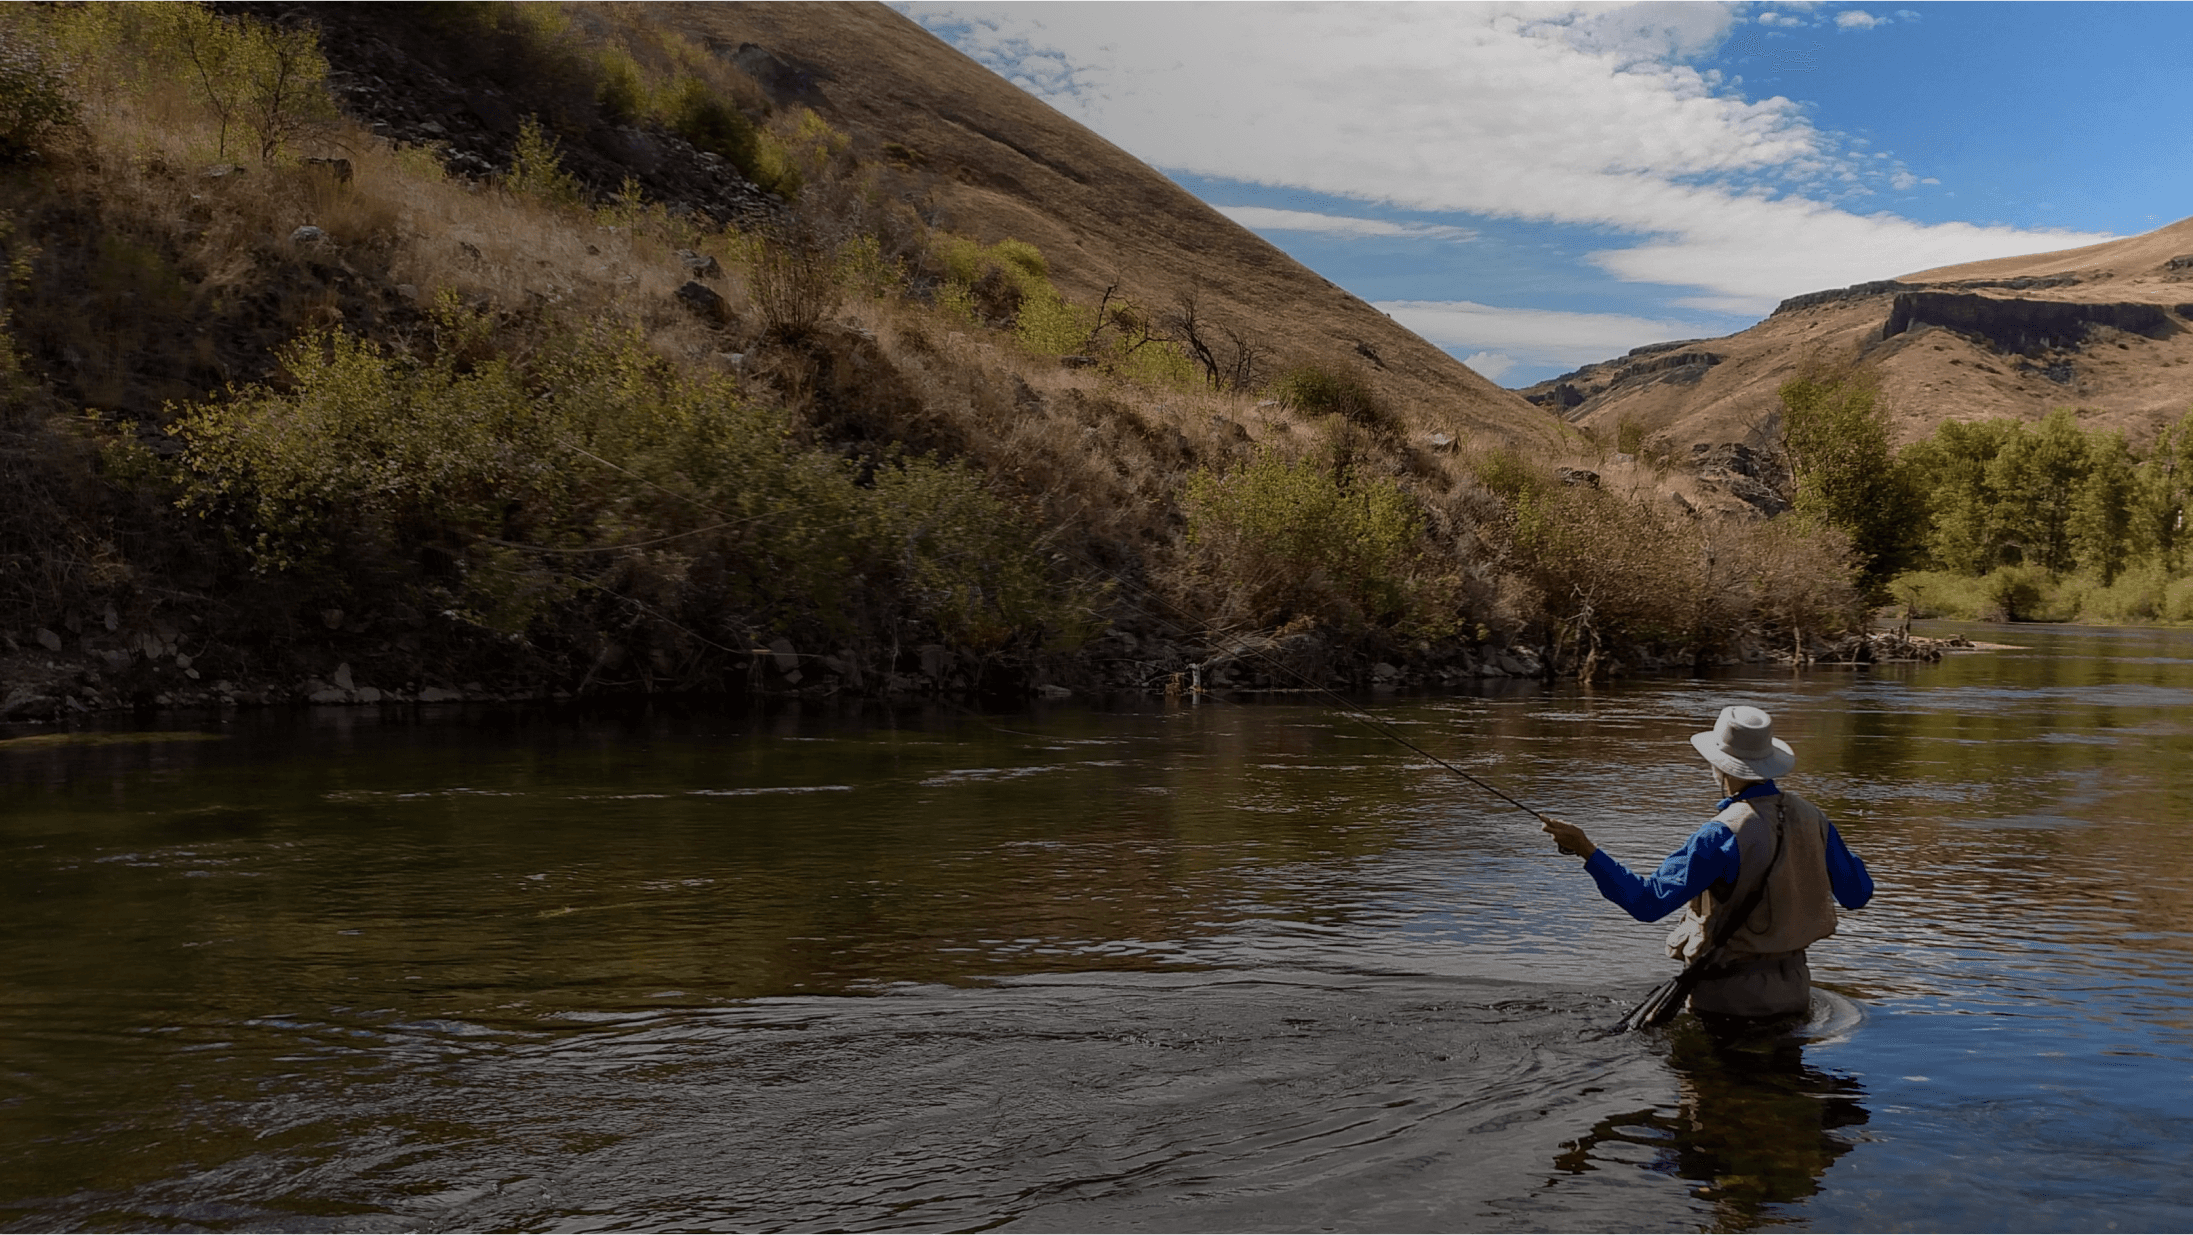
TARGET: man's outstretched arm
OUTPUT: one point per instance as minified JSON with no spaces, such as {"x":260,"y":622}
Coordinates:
{"x":1709,"y":856}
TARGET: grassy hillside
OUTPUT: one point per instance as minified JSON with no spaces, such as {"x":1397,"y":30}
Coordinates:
{"x":370,"y":352}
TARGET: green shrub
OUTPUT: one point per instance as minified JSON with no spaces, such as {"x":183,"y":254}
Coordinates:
{"x":864,"y":270}
{"x":1336,"y":390}
{"x":34,"y":99}
{"x":1282,"y":539}
{"x":1025,"y":262}
{"x":1629,"y":435}
{"x":622,"y":91}
{"x":1510,"y":475}
{"x":1050,"y":325}
{"x":536,"y":167}
{"x":1158,"y":363}
{"x":2016,"y":594}
{"x":695,"y":113}
{"x":268,"y":79}
{"x":588,"y":466}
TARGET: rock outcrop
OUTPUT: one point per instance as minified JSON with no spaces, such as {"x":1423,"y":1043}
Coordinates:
{"x":2106,"y":330}
{"x":2022,"y":325}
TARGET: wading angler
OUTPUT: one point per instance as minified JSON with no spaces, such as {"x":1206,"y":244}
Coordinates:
{"x":1757,"y":885}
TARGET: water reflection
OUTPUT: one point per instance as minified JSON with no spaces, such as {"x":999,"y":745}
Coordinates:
{"x":1755,"y":1129}
{"x":1236,"y":966}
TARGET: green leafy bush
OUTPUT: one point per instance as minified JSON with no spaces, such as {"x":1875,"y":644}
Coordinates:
{"x":536,"y":167}
{"x":1629,"y":435}
{"x":1050,"y":325}
{"x":514,"y":489}
{"x":1510,"y":475}
{"x":34,"y":99}
{"x":268,"y":79}
{"x":1336,"y":390}
{"x":1281,"y":539}
{"x":700,"y":116}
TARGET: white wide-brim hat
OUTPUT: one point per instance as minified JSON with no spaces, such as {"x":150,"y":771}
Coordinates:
{"x":1742,"y":744}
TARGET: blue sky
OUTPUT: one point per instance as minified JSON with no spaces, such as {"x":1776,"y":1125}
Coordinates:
{"x":1536,"y":186}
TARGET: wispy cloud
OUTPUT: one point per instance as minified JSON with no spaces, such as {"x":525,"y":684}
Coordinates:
{"x":1270,"y":219}
{"x":1489,"y":365}
{"x":1565,"y":113}
{"x":1510,"y":337}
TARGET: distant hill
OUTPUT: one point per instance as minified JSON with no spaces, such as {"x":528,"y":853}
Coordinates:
{"x":2106,"y":329}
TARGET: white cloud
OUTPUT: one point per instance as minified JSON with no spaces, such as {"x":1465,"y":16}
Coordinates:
{"x":1533,"y":336}
{"x":1858,"y":19}
{"x":1767,"y":250}
{"x":1489,"y":365}
{"x":1540,"y":113}
{"x":1270,"y":219}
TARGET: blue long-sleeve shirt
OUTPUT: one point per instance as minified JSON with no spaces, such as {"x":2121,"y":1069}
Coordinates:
{"x":1709,"y":857}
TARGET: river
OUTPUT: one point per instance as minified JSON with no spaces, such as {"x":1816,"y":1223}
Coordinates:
{"x":1214,"y":964}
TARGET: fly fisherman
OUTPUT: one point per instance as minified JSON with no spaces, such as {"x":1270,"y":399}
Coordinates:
{"x":1762,"y":833}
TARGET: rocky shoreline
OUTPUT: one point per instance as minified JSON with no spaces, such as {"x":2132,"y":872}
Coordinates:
{"x":43,"y":680}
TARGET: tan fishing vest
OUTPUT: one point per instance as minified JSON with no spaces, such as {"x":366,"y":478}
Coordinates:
{"x":1798,"y":908}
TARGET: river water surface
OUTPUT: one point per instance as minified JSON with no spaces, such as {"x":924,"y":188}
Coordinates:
{"x":1228,"y":964}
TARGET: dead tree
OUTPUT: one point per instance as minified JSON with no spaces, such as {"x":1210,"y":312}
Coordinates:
{"x":1230,"y":360}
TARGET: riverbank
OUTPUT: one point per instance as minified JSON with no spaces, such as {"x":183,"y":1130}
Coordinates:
{"x":47,"y":682}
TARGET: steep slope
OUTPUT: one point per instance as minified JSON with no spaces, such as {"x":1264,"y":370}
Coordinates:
{"x":2106,"y":329}
{"x":1005,"y":164}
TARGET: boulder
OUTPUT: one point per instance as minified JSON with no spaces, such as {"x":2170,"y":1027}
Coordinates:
{"x":308,"y":234}
{"x":703,"y":302}
{"x":700,"y":265}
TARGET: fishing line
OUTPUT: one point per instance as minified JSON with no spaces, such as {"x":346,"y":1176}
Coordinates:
{"x":1340,"y":702}
{"x":1179,"y":617}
